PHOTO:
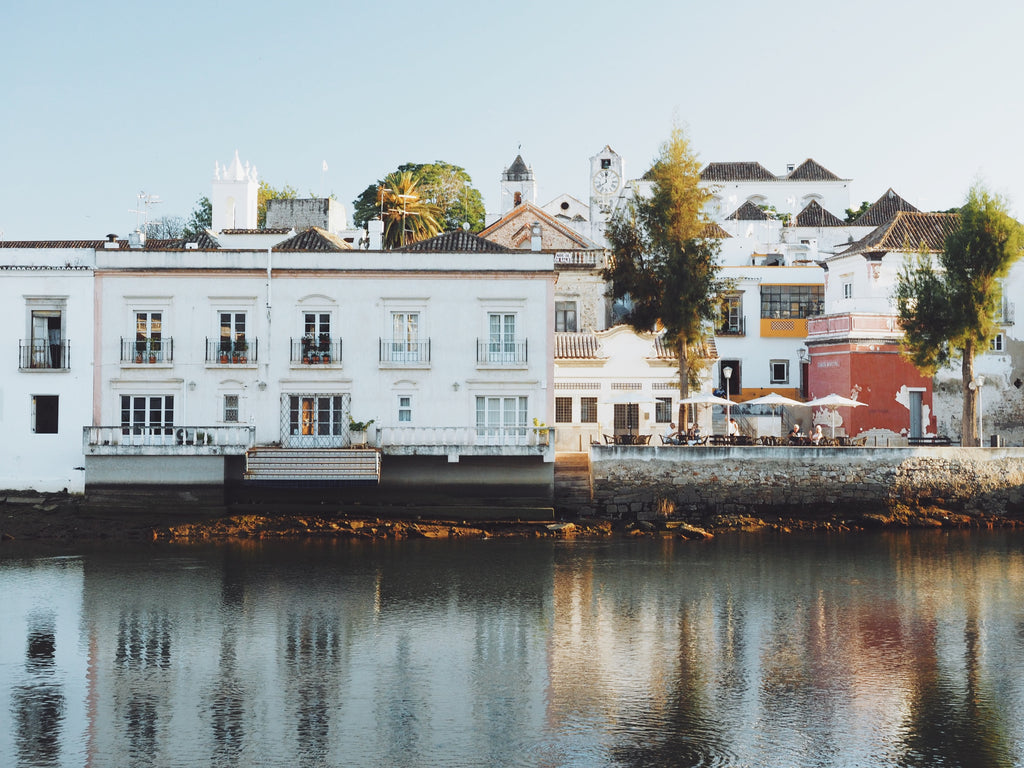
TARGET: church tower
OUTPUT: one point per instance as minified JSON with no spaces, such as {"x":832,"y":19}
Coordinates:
{"x":233,"y":201}
{"x":517,"y":186}
{"x":606,"y":184}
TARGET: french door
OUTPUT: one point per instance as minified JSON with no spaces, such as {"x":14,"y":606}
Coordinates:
{"x":315,"y":420}
{"x":147,"y":419}
{"x":501,"y":420}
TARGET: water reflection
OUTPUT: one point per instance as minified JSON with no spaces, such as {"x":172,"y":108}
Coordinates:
{"x":851,"y":651}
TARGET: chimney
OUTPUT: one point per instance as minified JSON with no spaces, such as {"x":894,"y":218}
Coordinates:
{"x":112,"y":242}
{"x":375,"y":234}
{"x":137,"y":239}
{"x":790,"y":167}
{"x":535,"y":236}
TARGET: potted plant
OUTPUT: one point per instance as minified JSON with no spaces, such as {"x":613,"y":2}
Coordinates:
{"x":225,"y":348}
{"x":325,"y":347}
{"x":242,"y":350}
{"x":307,"y":348}
{"x":540,"y":429}
{"x":357,"y":430}
{"x":140,"y":349}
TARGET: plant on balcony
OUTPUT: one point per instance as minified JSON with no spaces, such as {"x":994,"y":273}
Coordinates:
{"x":225,"y":351}
{"x":241,"y":350}
{"x":325,"y":347}
{"x":357,"y":430}
{"x":307,"y":348}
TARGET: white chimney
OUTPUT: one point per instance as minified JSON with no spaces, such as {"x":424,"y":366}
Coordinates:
{"x":535,"y":236}
{"x":111,"y":242}
{"x":375,"y":234}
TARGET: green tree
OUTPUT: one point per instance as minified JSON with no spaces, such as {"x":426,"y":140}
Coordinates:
{"x":661,"y":263}
{"x":267,"y":192}
{"x":408,"y":217}
{"x":853,"y":213}
{"x":442,"y":184}
{"x":199,"y":220}
{"x":948,"y":306}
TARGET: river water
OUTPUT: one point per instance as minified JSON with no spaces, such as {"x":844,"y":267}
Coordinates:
{"x":899,"y":649}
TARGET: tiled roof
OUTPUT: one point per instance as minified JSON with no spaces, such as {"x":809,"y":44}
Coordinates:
{"x":456,"y":241}
{"x":265,"y":231}
{"x":749,"y":212}
{"x":744,"y":171}
{"x":809,"y":170}
{"x":908,"y":232}
{"x":313,"y":239}
{"x":517,"y":171}
{"x":883,"y":209}
{"x":577,"y":346}
{"x":530,"y":213}
{"x":713,"y":231}
{"x":662,"y":351}
{"x":815,"y":216}
{"x":58,"y":243}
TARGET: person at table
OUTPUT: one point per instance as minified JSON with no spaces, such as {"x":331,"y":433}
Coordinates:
{"x":817,"y":435}
{"x":795,"y":432}
{"x":733,"y":428}
{"x":694,"y":435}
{"x":672,"y":435}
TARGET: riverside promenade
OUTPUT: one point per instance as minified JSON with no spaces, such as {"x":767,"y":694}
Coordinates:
{"x":700,"y":483}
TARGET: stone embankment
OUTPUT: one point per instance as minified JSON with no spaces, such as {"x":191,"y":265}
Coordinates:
{"x":859,"y":487}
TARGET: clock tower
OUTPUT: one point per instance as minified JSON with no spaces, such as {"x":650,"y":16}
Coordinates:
{"x":606,"y":182}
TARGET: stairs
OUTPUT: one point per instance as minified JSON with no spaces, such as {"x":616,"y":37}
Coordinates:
{"x":573,"y":491}
{"x":312,"y":466}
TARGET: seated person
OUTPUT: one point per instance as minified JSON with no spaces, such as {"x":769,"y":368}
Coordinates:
{"x":795,"y":432}
{"x":817,"y":436}
{"x":672,"y":436}
{"x":694,"y":436}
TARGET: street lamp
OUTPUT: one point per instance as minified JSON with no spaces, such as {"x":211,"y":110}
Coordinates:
{"x":727,"y":372}
{"x":976,"y":385}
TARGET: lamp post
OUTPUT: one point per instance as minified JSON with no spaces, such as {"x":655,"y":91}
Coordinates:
{"x":976,"y":385}
{"x":727,"y":372}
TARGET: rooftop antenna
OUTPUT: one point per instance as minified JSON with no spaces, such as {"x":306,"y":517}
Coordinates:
{"x":145,"y":200}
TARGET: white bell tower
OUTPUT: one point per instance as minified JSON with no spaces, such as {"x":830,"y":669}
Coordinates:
{"x":606,"y":184}
{"x":235,"y":189}
{"x":517,"y":185}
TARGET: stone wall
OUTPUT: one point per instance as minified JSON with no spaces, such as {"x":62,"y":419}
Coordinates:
{"x":646,"y":482}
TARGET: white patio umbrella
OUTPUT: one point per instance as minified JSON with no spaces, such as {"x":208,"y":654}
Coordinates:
{"x":705,"y":398}
{"x":773,"y":399}
{"x":832,"y":402}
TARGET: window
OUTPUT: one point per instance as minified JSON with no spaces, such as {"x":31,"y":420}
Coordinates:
{"x":231,"y":408}
{"x":563,"y":410}
{"x":730,"y":315}
{"x":316,"y":420}
{"x":997,"y":343}
{"x":565,"y":316}
{"x":147,"y":416}
{"x":780,"y":371}
{"x":501,"y":420}
{"x":232,"y":330}
{"x":663,"y":410}
{"x":606,"y":162}
{"x":46,"y":349}
{"x":627,"y":417}
{"x":44,"y":414}
{"x":502,"y":346}
{"x":405,"y":346}
{"x":149,"y":337}
{"x":405,"y":408}
{"x":588,"y":410}
{"x":791,"y":301}
{"x":847,"y":290}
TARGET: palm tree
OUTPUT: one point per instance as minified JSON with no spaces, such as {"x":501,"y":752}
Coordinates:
{"x":408,"y":218}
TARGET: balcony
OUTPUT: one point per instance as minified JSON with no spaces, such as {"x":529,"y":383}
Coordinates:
{"x":168,"y":441}
{"x":501,"y":354}
{"x":239,"y":352}
{"x":734,"y":327}
{"x":44,"y":356}
{"x":322,"y":351}
{"x":467,"y":441}
{"x":1005,"y":312}
{"x":147,"y":351}
{"x":403,"y":353}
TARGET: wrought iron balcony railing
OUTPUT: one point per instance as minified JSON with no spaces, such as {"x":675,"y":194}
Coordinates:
{"x":501,"y":352}
{"x":44,"y":355}
{"x":232,"y":352}
{"x":404,"y":351}
{"x":147,"y":351}
{"x":323,"y":351}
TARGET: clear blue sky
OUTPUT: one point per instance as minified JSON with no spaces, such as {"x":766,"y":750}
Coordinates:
{"x":101,"y":100}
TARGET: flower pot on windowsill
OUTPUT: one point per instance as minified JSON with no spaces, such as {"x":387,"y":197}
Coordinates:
{"x":358,"y":438}
{"x":138,"y":359}
{"x":223,"y":358}
{"x":152,"y":359}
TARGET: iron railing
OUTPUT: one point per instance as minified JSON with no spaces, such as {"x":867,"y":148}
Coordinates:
{"x":734,"y":327}
{"x":44,"y":355}
{"x":315,"y":351}
{"x":232,"y":352}
{"x":404,"y":351}
{"x":147,"y":351}
{"x":501,"y":352}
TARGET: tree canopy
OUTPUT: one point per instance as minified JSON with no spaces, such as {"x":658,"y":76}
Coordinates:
{"x":199,"y":220}
{"x":408,"y":216}
{"x":662,"y":264}
{"x":948,"y":305}
{"x":446,"y":186}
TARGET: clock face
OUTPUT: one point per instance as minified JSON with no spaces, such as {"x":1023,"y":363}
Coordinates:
{"x":606,"y":182}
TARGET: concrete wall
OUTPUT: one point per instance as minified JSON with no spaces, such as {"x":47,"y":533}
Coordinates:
{"x":645,"y":482}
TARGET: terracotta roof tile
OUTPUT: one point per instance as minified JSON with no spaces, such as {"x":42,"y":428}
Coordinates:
{"x":662,"y":351}
{"x":813,"y":215}
{"x":58,"y":243}
{"x":749,"y":212}
{"x":908,"y":232}
{"x":883,"y":209}
{"x":313,"y":239}
{"x":456,"y":241}
{"x":742,"y":171}
{"x":577,"y":346}
{"x":713,"y":231}
{"x":809,"y":170}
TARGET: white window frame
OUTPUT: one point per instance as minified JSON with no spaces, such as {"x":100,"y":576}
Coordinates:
{"x":405,"y":408}
{"x":563,"y":310}
{"x":771,"y":371}
{"x":998,"y":343}
{"x":502,"y":419}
